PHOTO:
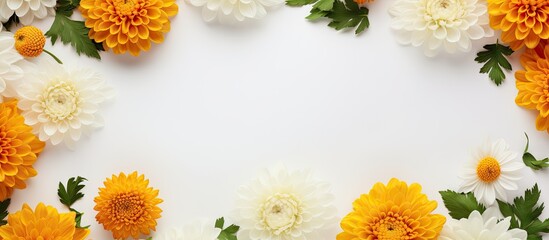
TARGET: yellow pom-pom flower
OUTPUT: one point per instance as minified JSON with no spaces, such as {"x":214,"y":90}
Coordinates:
{"x":45,"y":222}
{"x":19,"y":149}
{"x":126,"y":206}
{"x":128,"y":25}
{"x":392,"y":211}
{"x":29,"y":41}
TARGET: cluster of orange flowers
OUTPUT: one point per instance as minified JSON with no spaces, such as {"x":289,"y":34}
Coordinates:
{"x":525,"y":23}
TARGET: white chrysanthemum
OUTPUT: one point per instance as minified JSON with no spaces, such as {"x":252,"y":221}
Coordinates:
{"x":62,"y":104}
{"x":228,"y":11}
{"x":283,"y":205}
{"x":199,"y":230}
{"x":481,"y":227}
{"x":26,"y":10}
{"x":493,"y":171}
{"x":436,"y":24}
{"x":11,"y":63}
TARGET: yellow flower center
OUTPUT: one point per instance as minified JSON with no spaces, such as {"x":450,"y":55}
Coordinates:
{"x":60,"y":101}
{"x":29,"y":41}
{"x":127,"y":208}
{"x":281,"y":213}
{"x":392,"y":227}
{"x":488,"y":169}
{"x":126,"y":7}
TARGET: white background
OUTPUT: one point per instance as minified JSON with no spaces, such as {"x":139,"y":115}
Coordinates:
{"x":201,"y":113}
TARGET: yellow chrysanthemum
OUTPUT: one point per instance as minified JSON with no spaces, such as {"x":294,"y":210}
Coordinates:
{"x":533,"y":84}
{"x":19,"y":149}
{"x":45,"y":222}
{"x":29,"y":41}
{"x":393,"y":212}
{"x":522,"y":22}
{"x":127,"y":207}
{"x":128,"y":25}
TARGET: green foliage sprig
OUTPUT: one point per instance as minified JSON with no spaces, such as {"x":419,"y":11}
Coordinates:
{"x":72,"y":32}
{"x":71,"y":193}
{"x":460,"y":205}
{"x":4,"y":211}
{"x":228,"y":233}
{"x":530,"y":160}
{"x":495,"y":58}
{"x":342,"y":15}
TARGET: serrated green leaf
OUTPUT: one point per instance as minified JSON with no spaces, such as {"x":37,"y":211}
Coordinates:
{"x":531,"y":161}
{"x":299,"y":3}
{"x":348,"y":15}
{"x":228,"y":233}
{"x":494,"y":59}
{"x":525,"y":212}
{"x":460,"y":205}
{"x":4,"y":211}
{"x":71,"y":193}
{"x":219,"y":223}
{"x":74,"y":33}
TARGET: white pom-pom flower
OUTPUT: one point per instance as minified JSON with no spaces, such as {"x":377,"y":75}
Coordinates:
{"x":284,"y":205}
{"x":493,"y":171}
{"x":481,"y":227}
{"x":231,"y":11}
{"x":62,"y":104}
{"x":11,"y":65}
{"x":198,"y":230}
{"x":440,"y":24}
{"x":26,"y":10}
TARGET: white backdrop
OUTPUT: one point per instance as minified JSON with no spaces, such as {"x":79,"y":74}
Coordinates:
{"x":200,"y":114}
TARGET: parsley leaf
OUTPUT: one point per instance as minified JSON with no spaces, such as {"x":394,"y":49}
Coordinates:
{"x":228,"y":233}
{"x":70,"y":194}
{"x":494,"y":58}
{"x":349,"y":15}
{"x":299,"y":3}
{"x":75,"y":33}
{"x":460,"y":205}
{"x":4,"y":211}
{"x":530,"y":160}
{"x":525,"y":212}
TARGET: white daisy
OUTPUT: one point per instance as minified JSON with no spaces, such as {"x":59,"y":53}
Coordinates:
{"x":436,"y":24}
{"x":62,"y":104}
{"x":481,"y":227}
{"x":199,"y":230}
{"x":283,"y":205}
{"x":493,"y":171}
{"x":229,"y":11}
{"x":26,"y":10}
{"x":11,"y":64}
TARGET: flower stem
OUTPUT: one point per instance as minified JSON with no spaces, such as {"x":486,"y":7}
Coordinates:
{"x":53,"y":56}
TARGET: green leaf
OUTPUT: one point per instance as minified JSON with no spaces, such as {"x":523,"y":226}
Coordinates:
{"x":324,"y":5}
{"x":299,"y":3}
{"x":228,"y":233}
{"x":71,"y":193}
{"x":78,"y":218}
{"x":316,"y":14}
{"x":525,"y":212}
{"x":531,"y":161}
{"x":75,"y":33}
{"x":348,"y":15}
{"x":460,"y":205}
{"x":494,"y":59}
{"x":4,"y":211}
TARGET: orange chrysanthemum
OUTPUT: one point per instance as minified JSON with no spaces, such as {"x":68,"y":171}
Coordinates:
{"x":42,"y":223}
{"x":127,"y":207}
{"x":19,"y":149}
{"x":522,"y":22}
{"x":395,"y":211}
{"x":128,"y":25}
{"x":29,"y":41}
{"x":533,"y":84}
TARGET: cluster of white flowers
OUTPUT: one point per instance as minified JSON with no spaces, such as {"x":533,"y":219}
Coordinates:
{"x":26,"y":10}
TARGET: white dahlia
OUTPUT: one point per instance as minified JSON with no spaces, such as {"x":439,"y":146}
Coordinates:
{"x":492,"y":172}
{"x":11,"y":63}
{"x":481,"y":227}
{"x":436,"y":24}
{"x":26,"y":10}
{"x":229,"y":11}
{"x":283,"y":205}
{"x":199,"y":230}
{"x":61,"y":104}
